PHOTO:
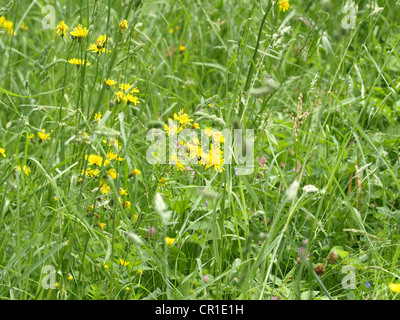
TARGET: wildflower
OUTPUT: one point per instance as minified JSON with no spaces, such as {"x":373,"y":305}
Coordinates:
{"x":79,"y":62}
{"x":43,"y":135}
{"x":135,"y":172}
{"x":91,"y":208}
{"x":169,"y":241}
{"x":125,"y":86}
{"x":27,"y":170}
{"x":172,"y":128}
{"x":319,"y":269}
{"x":162,"y":182}
{"x":182,"y":117}
{"x":196,"y":126}
{"x":124,"y":263}
{"x":332,"y":257}
{"x":303,"y":251}
{"x":3,"y":152}
{"x":91,"y":172}
{"x":57,"y":285}
{"x":30,"y":136}
{"x":182,"y":49}
{"x":70,"y":278}
{"x":61,"y":29}
{"x":367,"y":284}
{"x":131,"y":99}
{"x":101,"y":225}
{"x":127,"y":205}
{"x":262,"y":161}
{"x":122,"y":192}
{"x":171,"y":31}
{"x":98,"y":117}
{"x":100,"y":45}
{"x":127,"y":289}
{"x":395,"y":287}
{"x":94,"y":160}
{"x":120,"y":96}
{"x":112,"y":173}
{"x":104,"y":188}
{"x":105,"y":266}
{"x":284,"y":5}
{"x":79,"y":32}
{"x":206,"y":278}
{"x":123,"y":25}
{"x":110,"y":83}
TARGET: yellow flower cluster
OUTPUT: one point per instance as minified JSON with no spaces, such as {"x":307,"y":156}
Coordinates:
{"x":79,"y":62}
{"x":193,"y":153}
{"x":100,"y":45}
{"x":8,"y":25}
{"x":284,"y":5}
{"x":125,"y":94}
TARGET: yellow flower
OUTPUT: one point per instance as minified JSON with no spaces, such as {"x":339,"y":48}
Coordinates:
{"x":127,"y":205}
{"x":101,"y":225}
{"x":98,"y":116}
{"x":27,"y":170}
{"x":123,"y":25}
{"x":104,"y":188}
{"x":136,"y":172}
{"x":111,"y":155}
{"x":131,"y":99}
{"x":3,"y":152}
{"x":105,"y":266}
{"x":172,"y":128}
{"x":78,"y":62}
{"x":70,"y":278}
{"x":30,"y":136}
{"x":100,"y":45}
{"x":124,"y":86}
{"x":122,"y":192}
{"x":182,"y":48}
{"x":120,"y":96}
{"x":171,"y":31}
{"x":94,"y":160}
{"x":182,"y":117}
{"x":162,"y":182}
{"x":124,"y":263}
{"x":61,"y":29}
{"x":57,"y":285}
{"x":79,"y":32}
{"x":169,"y":241}
{"x":2,"y":20}
{"x":196,"y":126}
{"x":395,"y":287}
{"x":109,"y":82}
{"x":284,"y":5}
{"x":112,"y":173}
{"x":43,"y":135}
{"x":91,"y":172}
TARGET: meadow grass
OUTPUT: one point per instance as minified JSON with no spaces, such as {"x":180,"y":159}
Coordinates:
{"x":316,"y":218}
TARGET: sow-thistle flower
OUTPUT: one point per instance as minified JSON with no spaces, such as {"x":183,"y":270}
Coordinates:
{"x":91,"y":172}
{"x":3,"y":152}
{"x":135,"y":172}
{"x":110,"y":83}
{"x":104,"y":188}
{"x":123,"y":262}
{"x":79,"y":62}
{"x":98,"y":117}
{"x":27,"y":170}
{"x":30,"y":136}
{"x":94,"y":159}
{"x":127,"y":205}
{"x":182,"y":49}
{"x":123,"y":25}
{"x":170,"y":241}
{"x":79,"y":32}
{"x":395,"y":287}
{"x":112,"y":173}
{"x":101,"y":225}
{"x":122,"y":192}
{"x":131,"y":99}
{"x":100,"y":45}
{"x":182,"y":117}
{"x":62,"y":29}
{"x":171,"y":128}
{"x":120,"y":96}
{"x":43,"y":135}
{"x":162,"y":182}
{"x":284,"y":5}
{"x":111,"y":155}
